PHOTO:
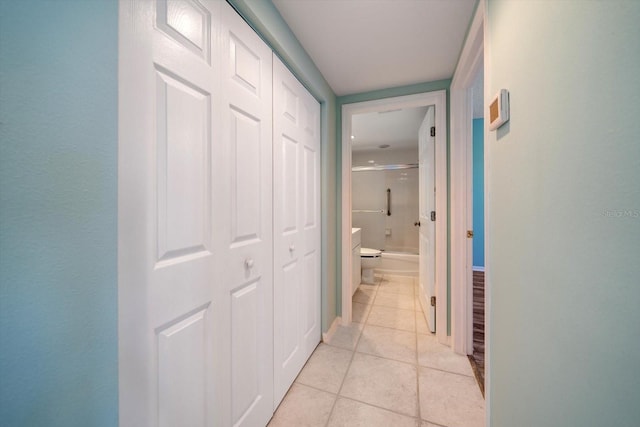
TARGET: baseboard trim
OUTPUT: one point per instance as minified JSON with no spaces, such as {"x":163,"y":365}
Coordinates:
{"x":326,"y":336}
{"x":477,"y":373}
{"x":477,"y":268}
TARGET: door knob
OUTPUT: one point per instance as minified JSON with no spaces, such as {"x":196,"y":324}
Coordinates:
{"x":417,"y":224}
{"x":248,"y":263}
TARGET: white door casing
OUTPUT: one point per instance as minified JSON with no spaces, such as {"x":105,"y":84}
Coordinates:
{"x":438,"y":100}
{"x":461,"y":157}
{"x":296,"y":179}
{"x":427,"y":190}
{"x":194,"y":217}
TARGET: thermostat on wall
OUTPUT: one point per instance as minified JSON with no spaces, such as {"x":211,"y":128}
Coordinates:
{"x":499,"y":109}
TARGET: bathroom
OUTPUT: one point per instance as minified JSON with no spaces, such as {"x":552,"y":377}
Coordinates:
{"x":385,"y":189}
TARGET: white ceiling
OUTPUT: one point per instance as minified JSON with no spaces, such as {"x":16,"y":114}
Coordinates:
{"x":364,"y":45}
{"x":397,"y":128}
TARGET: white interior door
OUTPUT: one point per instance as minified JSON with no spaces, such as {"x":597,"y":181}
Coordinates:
{"x":194,"y":217}
{"x":296,"y":180}
{"x":427,"y":190}
{"x":244,"y":214}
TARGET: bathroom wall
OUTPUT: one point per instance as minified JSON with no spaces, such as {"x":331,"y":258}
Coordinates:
{"x":58,"y":213}
{"x":385,"y":156}
{"x":563,"y":214}
{"x":478,"y":192}
{"x":369,"y":193}
{"x":397,"y":232}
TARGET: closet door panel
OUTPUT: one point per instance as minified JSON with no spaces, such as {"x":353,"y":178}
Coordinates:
{"x":297,"y":229}
{"x":243,"y":164}
{"x":169,"y":84}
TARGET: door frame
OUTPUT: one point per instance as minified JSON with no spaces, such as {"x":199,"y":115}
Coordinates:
{"x":471,"y":60}
{"x":439,"y":99}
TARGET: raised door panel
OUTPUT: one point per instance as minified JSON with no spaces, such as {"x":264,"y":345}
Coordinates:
{"x":288,"y":185}
{"x":288,"y":316}
{"x":297,"y":228}
{"x":183,"y":171}
{"x":188,"y":23}
{"x":309,"y":314}
{"x":182,"y":371}
{"x":246,"y":181}
{"x":310,"y":209}
{"x":245,"y":346}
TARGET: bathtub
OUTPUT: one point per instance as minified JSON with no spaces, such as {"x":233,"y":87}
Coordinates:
{"x":398,"y":263}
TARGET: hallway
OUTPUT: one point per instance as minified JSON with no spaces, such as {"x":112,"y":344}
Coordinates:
{"x":385,"y":369}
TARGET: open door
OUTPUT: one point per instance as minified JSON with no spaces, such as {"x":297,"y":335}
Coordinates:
{"x":427,"y":191}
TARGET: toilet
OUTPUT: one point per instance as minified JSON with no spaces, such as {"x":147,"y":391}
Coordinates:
{"x":370,"y":259}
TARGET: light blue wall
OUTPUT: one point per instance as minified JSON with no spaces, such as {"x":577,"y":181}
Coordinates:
{"x":478,"y":192}
{"x":58,"y":170}
{"x":263,"y":16}
{"x":563,"y":199}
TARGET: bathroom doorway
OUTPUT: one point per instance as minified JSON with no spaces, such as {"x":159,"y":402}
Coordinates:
{"x":380,"y":193}
{"x":384,"y":180}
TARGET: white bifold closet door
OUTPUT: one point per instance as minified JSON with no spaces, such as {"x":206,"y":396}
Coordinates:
{"x":195,"y":217}
{"x":243,"y":178}
{"x":296,"y":181}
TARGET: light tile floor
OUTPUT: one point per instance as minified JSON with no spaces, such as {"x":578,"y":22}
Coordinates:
{"x":385,"y":369}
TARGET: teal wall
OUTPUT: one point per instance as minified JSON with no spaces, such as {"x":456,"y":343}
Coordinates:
{"x":58,"y":217}
{"x":563,"y":203}
{"x":390,"y":93}
{"x":263,"y":16}
{"x":478,"y":192}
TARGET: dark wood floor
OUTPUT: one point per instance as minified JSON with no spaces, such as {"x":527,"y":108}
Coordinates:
{"x":478,"y":324}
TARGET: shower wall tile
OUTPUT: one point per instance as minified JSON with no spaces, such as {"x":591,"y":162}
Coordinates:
{"x":369,"y":191}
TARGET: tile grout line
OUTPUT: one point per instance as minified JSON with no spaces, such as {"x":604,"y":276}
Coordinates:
{"x":415,"y":334}
{"x":353,"y":348}
{"x":418,"y":366}
{"x":373,"y":405}
{"x":415,"y":321}
{"x":416,"y":363}
{"x":353,"y":353}
{"x":418,"y":419}
{"x":448,"y":372}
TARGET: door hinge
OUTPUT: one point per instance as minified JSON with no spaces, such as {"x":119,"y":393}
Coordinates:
{"x":469,"y":234}
{"x":433,"y":301}
{"x":433,"y":215}
{"x":433,"y":131}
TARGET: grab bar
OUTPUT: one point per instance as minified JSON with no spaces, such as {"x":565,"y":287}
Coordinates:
{"x":384,"y":167}
{"x":388,"y":202}
{"x":368,"y":211}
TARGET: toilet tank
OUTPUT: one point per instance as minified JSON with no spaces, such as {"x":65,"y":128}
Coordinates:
{"x":355,"y":237}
